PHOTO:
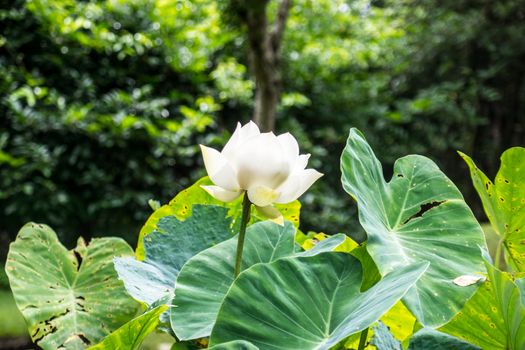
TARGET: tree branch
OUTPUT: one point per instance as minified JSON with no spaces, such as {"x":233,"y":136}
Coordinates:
{"x":280,"y":24}
{"x":264,"y":47}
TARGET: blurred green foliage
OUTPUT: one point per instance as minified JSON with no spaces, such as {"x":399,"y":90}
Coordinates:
{"x":12,"y":321}
{"x":103,"y":102}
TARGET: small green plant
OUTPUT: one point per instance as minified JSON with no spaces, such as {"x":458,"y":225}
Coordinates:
{"x":224,"y":265}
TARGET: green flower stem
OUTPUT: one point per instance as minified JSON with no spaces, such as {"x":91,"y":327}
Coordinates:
{"x":362,"y":339}
{"x":246,"y":204}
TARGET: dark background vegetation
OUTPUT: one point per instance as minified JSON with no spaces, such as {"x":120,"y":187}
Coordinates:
{"x":103,"y":103}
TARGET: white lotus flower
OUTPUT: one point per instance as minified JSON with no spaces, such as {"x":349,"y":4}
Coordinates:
{"x":268,"y":167}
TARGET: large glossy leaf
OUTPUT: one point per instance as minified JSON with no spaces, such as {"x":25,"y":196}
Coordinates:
{"x":167,"y":249}
{"x":494,"y":318}
{"x":70,"y":299}
{"x":504,"y":201}
{"x":307,"y":302}
{"x":132,"y":334}
{"x":426,"y":339}
{"x":181,"y":207}
{"x":418,"y":216}
{"x":205,"y":279}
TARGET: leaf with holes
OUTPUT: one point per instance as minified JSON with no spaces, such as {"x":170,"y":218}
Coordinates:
{"x":494,"y":318}
{"x":504,"y":202}
{"x":168,"y":248}
{"x":418,"y":216}
{"x":307,"y":302}
{"x":181,"y":207}
{"x":205,"y":279}
{"x":70,"y":299}
{"x":132,"y":334}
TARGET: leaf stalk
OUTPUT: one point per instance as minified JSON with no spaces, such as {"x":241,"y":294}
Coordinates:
{"x":362,"y":339}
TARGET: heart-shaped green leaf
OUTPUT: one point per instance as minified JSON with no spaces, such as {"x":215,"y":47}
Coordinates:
{"x":494,"y":318}
{"x":181,"y":207}
{"x":168,"y":248}
{"x":205,"y":279}
{"x":70,"y":299}
{"x":307,"y":302}
{"x":418,"y":216}
{"x":504,"y":202}
{"x":132,"y":334}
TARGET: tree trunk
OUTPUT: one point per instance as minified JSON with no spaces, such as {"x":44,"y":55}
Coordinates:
{"x":264,"y":51}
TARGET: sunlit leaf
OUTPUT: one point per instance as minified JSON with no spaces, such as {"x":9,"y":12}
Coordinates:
{"x":400,"y":321}
{"x":494,"y":318}
{"x":328,"y":244}
{"x":131,"y":335}
{"x":504,"y":201}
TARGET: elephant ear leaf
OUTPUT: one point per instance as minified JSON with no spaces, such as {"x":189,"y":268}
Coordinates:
{"x":419,"y":215}
{"x":70,"y":299}
{"x":504,"y":202}
{"x":307,"y":302}
{"x":205,"y":279}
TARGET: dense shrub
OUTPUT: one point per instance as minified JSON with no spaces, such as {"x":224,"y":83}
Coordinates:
{"x":104,"y":103}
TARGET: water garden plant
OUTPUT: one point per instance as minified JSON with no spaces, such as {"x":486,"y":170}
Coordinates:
{"x":224,"y":265}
